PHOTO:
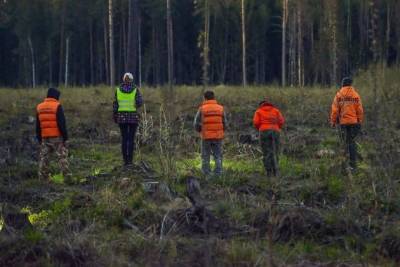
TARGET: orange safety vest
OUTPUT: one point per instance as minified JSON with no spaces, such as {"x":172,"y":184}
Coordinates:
{"x":212,"y":126}
{"x":268,"y":117}
{"x":47,"y":112}
{"x":347,"y":107}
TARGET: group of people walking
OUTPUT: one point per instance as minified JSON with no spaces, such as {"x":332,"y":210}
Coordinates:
{"x":210,"y":121}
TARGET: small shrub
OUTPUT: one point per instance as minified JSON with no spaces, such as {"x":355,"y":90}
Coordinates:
{"x":33,"y":236}
{"x":336,"y":187}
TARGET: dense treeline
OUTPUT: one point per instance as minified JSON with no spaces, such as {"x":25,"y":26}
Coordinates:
{"x":67,"y":41}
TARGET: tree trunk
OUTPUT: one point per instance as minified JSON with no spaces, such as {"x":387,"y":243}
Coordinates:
{"x":388,"y":31}
{"x":374,"y":49}
{"x":62,"y":32}
{"x":349,"y":35}
{"x":133,"y":23}
{"x":124,"y":44}
{"x":332,"y":22}
{"x":292,"y":50}
{"x":50,"y":65}
{"x":66,"y":62}
{"x":111,"y":42}
{"x":140,"y":52}
{"x":244,"y":77}
{"x":32,"y":62}
{"x":170,"y":46}
{"x":92,"y":80}
{"x":299,"y":45}
{"x":284,"y":23}
{"x":106,"y":53}
{"x":206,"y":59}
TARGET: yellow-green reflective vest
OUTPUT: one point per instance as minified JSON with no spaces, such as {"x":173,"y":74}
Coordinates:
{"x":126,"y":101}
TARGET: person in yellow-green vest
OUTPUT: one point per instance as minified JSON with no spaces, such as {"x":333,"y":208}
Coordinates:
{"x":127,"y":100}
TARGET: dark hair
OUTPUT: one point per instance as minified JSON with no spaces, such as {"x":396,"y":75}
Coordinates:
{"x":347,"y":81}
{"x":53,"y":93}
{"x":209,"y":95}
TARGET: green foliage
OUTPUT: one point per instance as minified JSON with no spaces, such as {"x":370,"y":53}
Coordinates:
{"x":136,"y":200}
{"x":336,"y":187}
{"x":94,"y":214}
{"x":289,"y":167}
{"x":57,"y":178}
{"x":241,"y":252}
{"x":33,"y":236}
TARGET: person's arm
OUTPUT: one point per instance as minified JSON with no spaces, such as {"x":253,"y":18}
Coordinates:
{"x":38,"y":129}
{"x":256,"y":120}
{"x":224,"y":120}
{"x":359,"y":111}
{"x":138,"y":99}
{"x":334,"y":112}
{"x":197,"y":121}
{"x":61,"y":123}
{"x":281,"y":120}
{"x":115,"y":104}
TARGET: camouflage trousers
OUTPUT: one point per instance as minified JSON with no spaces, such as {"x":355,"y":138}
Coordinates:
{"x":48,"y":147}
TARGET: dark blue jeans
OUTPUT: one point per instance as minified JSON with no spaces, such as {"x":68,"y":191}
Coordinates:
{"x":208,"y":148}
{"x":128,"y":133}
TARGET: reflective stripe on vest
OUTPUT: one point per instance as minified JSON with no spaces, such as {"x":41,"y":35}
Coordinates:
{"x":126,"y":101}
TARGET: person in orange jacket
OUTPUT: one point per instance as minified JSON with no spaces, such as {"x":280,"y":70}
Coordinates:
{"x":347,"y":111}
{"x":52,"y":134}
{"x":210,"y":122}
{"x":268,"y":120}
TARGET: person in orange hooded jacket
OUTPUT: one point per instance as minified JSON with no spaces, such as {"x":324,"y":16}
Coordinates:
{"x":347,"y":111}
{"x":268,"y":120}
{"x":210,"y":122}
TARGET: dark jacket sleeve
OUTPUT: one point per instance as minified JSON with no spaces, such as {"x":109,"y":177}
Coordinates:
{"x":61,"y":123}
{"x":138,"y":99}
{"x":38,"y":129}
{"x":115,"y":105}
{"x":225,"y":121}
{"x":197,"y":121}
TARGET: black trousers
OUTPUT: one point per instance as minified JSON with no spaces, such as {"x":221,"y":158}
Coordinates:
{"x":270,"y":147}
{"x":348,"y":134}
{"x":128,"y":133}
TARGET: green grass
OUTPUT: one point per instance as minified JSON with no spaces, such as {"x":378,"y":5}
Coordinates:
{"x":103,"y":200}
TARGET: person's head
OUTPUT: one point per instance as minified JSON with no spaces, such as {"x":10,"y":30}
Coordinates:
{"x":127,"y":78}
{"x":265,"y":100}
{"x":209,"y":95}
{"x":53,"y":93}
{"x":347,"y":81}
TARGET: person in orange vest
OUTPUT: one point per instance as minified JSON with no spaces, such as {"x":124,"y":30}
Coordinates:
{"x":210,"y":122}
{"x":51,"y":132}
{"x":347,"y":111}
{"x":268,"y":120}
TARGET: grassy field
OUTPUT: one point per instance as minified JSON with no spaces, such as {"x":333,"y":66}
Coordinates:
{"x":313,"y":213}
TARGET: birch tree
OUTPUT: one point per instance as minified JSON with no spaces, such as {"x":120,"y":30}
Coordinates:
{"x":111,"y":42}
{"x":244,"y":77}
{"x":284,"y":24}
{"x":170,"y":46}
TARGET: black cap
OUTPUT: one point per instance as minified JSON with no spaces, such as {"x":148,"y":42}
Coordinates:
{"x":53,"y":93}
{"x":347,"y":81}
